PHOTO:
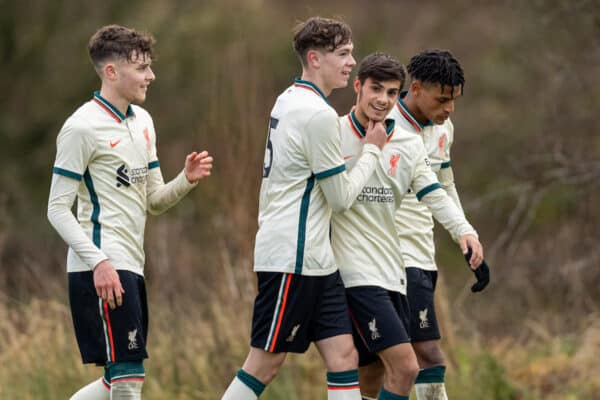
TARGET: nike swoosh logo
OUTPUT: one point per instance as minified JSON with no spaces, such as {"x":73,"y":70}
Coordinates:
{"x":113,"y":144}
{"x":347,"y":157}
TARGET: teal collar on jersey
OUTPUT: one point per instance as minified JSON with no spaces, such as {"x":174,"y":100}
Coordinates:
{"x":112,"y":110}
{"x":409,"y":117}
{"x":309,"y":86}
{"x":360,"y":130}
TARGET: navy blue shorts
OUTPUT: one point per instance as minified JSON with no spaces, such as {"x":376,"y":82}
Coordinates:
{"x":291,"y":311}
{"x":106,"y":335}
{"x":380,"y":319}
{"x":420,"y":290}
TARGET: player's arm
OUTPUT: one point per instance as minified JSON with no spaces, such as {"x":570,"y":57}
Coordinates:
{"x":445,"y":211}
{"x":446,"y":174}
{"x":446,"y":177}
{"x":63,"y":191}
{"x":74,"y":149}
{"x":325,"y":157}
{"x":160,"y":195}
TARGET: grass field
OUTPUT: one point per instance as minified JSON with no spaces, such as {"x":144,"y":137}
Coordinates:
{"x":195,"y":357}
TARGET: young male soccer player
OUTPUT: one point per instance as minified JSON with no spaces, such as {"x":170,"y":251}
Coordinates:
{"x":301,"y":297}
{"x":106,"y":157}
{"x":365,"y":240}
{"x":437,"y":80}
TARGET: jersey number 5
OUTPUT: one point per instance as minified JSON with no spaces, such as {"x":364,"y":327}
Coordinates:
{"x":269,"y":150}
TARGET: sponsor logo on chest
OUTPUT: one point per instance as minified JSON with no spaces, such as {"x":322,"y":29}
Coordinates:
{"x":126,"y":176}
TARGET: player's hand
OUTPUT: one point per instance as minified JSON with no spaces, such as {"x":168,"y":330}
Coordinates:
{"x":197,"y":166}
{"x":376,"y":134}
{"x":482,"y":273}
{"x":470,"y":242}
{"x":107,"y":284}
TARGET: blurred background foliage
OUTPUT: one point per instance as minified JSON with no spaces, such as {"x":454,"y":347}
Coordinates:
{"x":526,"y":159}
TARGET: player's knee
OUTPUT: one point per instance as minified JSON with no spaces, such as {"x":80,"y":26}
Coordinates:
{"x":270,"y":372}
{"x":263,"y":366}
{"x":347,"y":359}
{"x":429,"y":355}
{"x":370,"y":378}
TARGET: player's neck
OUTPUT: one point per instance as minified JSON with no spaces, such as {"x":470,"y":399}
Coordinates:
{"x":114,"y":98}
{"x":361,"y":117}
{"x":413,"y":109}
{"x":314,"y":77}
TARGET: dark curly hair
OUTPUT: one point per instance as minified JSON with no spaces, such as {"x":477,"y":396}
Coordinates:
{"x":321,"y":34}
{"x":437,"y":66}
{"x":115,"y":41}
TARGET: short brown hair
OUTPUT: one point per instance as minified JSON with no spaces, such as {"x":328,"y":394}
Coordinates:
{"x":116,"y":41}
{"x":320,"y":34}
{"x":381,"y":67}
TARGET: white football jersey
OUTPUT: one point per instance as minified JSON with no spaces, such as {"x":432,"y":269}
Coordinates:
{"x":113,"y":157}
{"x":365,"y":240}
{"x":413,"y":219}
{"x":294,"y":217}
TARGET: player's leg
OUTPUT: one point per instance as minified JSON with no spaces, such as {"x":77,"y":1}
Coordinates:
{"x":258,"y":371}
{"x":96,"y":390}
{"x":88,"y":331}
{"x":425,"y":335}
{"x":333,"y":338}
{"x":370,"y":378}
{"x":341,"y":361}
{"x":126,"y":332}
{"x":401,"y":369}
{"x":380,"y":320}
{"x":282,"y":309}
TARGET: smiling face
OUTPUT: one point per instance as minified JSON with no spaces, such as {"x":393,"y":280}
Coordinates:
{"x":434,"y":103}
{"x":335,"y":66}
{"x":375,"y":99}
{"x":132,"y":77}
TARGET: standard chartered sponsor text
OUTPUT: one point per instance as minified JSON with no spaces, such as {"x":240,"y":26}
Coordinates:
{"x":376,"y":194}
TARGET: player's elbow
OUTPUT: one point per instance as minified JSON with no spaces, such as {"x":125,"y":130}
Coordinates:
{"x":155,"y":210}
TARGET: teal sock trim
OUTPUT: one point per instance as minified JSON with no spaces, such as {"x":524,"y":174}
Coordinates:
{"x":250,"y":381}
{"x":343,"y":380}
{"x":385,"y":395}
{"x":125,"y":370}
{"x":350,"y":376}
{"x":432,"y":375}
{"x":106,"y":378}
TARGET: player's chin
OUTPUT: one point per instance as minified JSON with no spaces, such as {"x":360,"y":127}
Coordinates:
{"x":141,"y":96}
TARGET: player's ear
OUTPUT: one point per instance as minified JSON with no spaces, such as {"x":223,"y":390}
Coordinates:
{"x":110,"y":71}
{"x":415,"y":87}
{"x":356,"y":85}
{"x":313,"y":58}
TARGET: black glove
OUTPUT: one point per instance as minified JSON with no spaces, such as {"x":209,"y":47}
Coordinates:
{"x":482,"y":273}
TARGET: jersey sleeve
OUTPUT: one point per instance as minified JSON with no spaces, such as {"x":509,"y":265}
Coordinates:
{"x":322,"y":144}
{"x":75,"y":146}
{"x":446,"y":173}
{"x":63,"y":191}
{"x":327,"y":163}
{"x":161,"y":195}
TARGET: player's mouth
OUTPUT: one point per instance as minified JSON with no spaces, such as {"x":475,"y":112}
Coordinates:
{"x":379,"y":109}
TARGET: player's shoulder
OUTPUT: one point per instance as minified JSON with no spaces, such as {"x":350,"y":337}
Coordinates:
{"x":141,"y":112}
{"x":405,"y":136}
{"x":303,"y":95}
{"x":81,"y":118}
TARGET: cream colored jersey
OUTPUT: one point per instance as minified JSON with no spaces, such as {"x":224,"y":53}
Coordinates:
{"x":303,"y":173}
{"x":108,"y":161}
{"x":364,"y":238}
{"x":413,"y":219}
